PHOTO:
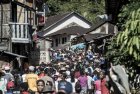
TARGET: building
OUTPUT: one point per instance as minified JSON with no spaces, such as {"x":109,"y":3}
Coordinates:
{"x":62,"y":28}
{"x":19,"y":19}
{"x":96,"y":36}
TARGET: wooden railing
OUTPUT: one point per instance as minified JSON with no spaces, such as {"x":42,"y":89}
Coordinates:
{"x":20,"y":32}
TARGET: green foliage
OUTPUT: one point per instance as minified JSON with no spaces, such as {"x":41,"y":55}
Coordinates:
{"x":115,"y":56}
{"x":125,"y":47}
{"x":130,"y":37}
{"x":87,"y":8}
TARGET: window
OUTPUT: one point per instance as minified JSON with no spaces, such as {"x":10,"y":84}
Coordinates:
{"x":64,"y":40}
{"x":56,"y":42}
{"x":59,"y":41}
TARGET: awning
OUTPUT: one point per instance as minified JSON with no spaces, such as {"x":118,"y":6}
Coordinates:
{"x":11,"y":54}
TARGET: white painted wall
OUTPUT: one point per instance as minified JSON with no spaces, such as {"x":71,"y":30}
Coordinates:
{"x":73,"y":19}
{"x":44,"y":53}
{"x":47,"y":46}
{"x":60,"y":37}
{"x":41,"y":55}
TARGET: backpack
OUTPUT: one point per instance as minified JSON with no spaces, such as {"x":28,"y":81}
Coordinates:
{"x":78,"y":87}
{"x":10,"y":85}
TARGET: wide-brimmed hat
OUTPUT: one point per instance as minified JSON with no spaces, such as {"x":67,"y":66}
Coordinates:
{"x":47,"y":89}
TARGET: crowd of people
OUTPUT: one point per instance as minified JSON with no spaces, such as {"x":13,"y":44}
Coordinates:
{"x":69,"y":72}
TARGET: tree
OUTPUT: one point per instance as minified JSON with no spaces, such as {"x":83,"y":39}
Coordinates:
{"x":87,"y":8}
{"x":130,"y":37}
{"x":125,"y":47}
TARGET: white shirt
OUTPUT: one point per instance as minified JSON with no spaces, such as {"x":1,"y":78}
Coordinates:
{"x":56,"y":86}
{"x":23,"y":78}
{"x":89,"y":81}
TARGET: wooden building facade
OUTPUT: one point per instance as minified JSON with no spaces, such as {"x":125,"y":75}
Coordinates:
{"x":18,"y":21}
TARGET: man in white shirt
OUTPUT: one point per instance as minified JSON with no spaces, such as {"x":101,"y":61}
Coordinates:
{"x":90,"y":83}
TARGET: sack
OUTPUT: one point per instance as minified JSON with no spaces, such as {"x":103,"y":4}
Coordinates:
{"x":10,"y":85}
{"x":78,"y":87}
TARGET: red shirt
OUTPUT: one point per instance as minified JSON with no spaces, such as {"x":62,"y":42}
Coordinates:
{"x":41,"y":75}
{"x":104,"y":89}
{"x":97,"y":85}
{"x":25,"y":92}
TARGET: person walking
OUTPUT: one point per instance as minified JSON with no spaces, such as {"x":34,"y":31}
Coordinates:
{"x":40,"y":86}
{"x":2,"y":82}
{"x":31,"y":79}
{"x":104,"y":89}
{"x":8,"y":75}
{"x":83,"y":82}
{"x":90,"y":83}
{"x":64,"y":86}
{"x":97,"y":84}
{"x":48,"y":79}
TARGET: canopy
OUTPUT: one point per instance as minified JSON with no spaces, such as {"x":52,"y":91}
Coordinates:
{"x":78,"y":46}
{"x":11,"y":54}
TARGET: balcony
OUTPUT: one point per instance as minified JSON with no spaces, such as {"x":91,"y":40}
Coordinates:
{"x":20,"y":32}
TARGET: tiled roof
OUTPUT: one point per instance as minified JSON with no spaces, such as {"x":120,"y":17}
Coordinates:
{"x":53,"y":19}
{"x":74,"y":30}
{"x":90,"y":37}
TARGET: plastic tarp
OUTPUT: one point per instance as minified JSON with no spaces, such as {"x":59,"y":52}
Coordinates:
{"x":78,"y":46}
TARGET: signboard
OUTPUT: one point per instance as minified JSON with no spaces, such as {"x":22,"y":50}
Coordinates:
{"x":21,"y":40}
{"x":41,"y":18}
{"x":39,"y":56}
